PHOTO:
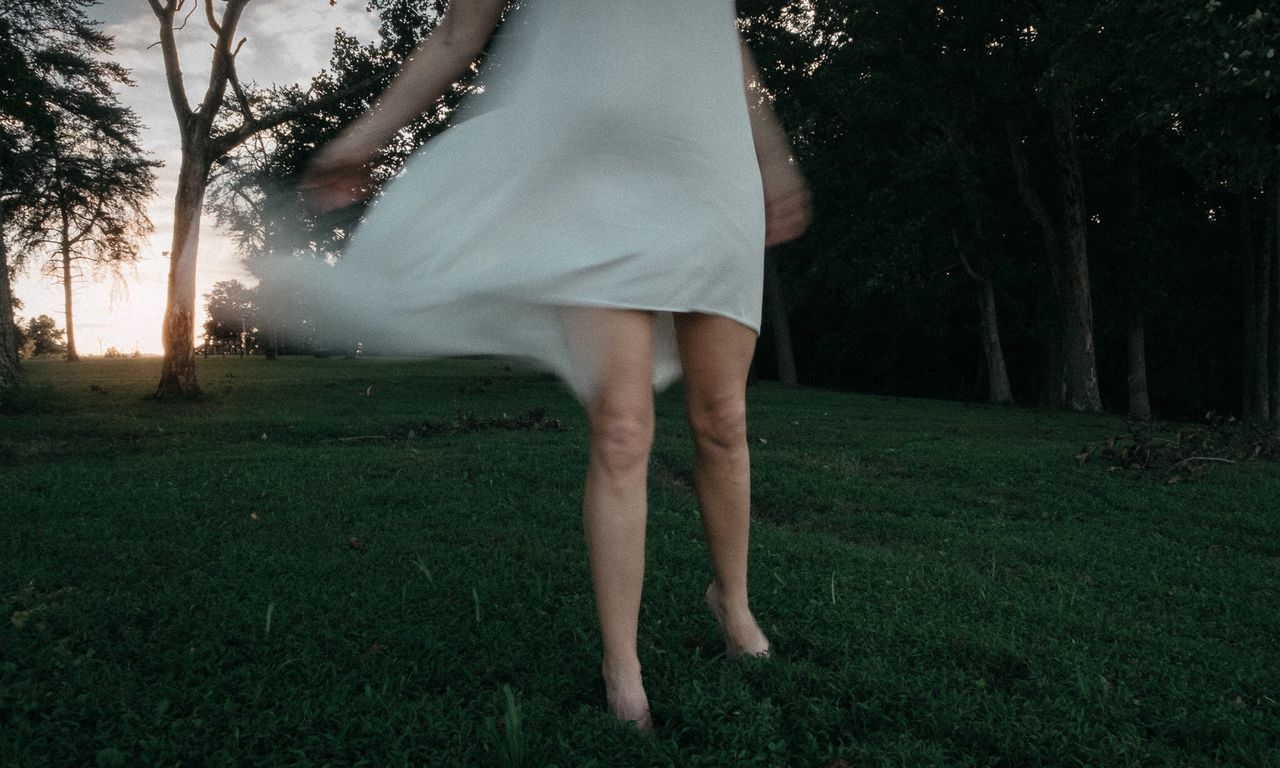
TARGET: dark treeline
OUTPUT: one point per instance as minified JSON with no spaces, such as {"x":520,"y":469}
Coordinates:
{"x":1095,"y":182}
{"x":1061,"y":204}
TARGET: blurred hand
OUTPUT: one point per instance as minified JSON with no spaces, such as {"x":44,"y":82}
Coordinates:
{"x":338,"y":175}
{"x":788,"y":204}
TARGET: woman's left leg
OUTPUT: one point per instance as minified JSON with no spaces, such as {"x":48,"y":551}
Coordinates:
{"x":715,"y":354}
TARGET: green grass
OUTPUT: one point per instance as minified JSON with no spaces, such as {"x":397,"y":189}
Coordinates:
{"x":943,"y":584}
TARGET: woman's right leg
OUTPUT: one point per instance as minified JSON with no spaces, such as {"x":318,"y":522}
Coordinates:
{"x":616,"y":347}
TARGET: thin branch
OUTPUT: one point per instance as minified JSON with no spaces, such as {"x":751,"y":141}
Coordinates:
{"x":185,"y":19}
{"x":219,"y":72}
{"x":234,"y":77}
{"x":208,"y":14}
{"x":172,"y":65}
{"x":964,"y":260}
{"x":1190,"y":459}
{"x":1030,"y":197}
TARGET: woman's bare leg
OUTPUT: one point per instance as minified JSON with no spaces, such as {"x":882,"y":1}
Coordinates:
{"x":617,"y":347}
{"x":715,"y":353}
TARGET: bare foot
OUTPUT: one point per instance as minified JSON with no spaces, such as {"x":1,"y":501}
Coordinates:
{"x":624,"y":693}
{"x":742,"y":636}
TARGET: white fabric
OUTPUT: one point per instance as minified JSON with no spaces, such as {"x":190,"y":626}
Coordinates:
{"x":609,"y":162}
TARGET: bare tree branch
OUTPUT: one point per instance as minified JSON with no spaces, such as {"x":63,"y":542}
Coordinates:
{"x":229,"y":141}
{"x":964,"y":260}
{"x":1030,"y":197}
{"x":208,"y":14}
{"x":234,"y":77}
{"x":172,"y":66}
{"x":185,"y":19}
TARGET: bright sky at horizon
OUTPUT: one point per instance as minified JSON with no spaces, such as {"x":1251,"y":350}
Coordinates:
{"x":288,"y":42}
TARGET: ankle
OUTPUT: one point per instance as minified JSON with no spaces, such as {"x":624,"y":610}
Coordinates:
{"x":729,"y":602}
{"x":620,"y":669}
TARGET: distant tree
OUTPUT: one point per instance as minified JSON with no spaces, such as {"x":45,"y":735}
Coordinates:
{"x":232,"y":310}
{"x":92,"y":179}
{"x":10,"y":342}
{"x":44,"y":337}
{"x":22,"y":121}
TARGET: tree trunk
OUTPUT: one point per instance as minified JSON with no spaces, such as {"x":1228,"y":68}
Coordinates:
{"x":1139,"y":401}
{"x":1137,"y":271}
{"x":1257,"y":299}
{"x":178,"y":370}
{"x":1054,"y":389}
{"x":1275,"y":301}
{"x":10,"y":378}
{"x":72,"y":356}
{"x":1077,"y":304}
{"x":999,"y":391}
{"x":781,"y":327}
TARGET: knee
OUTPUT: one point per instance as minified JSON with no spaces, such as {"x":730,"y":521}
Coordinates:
{"x":719,"y":423}
{"x":621,"y":436}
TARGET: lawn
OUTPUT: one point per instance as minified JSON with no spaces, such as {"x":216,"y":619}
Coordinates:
{"x":377,"y":562}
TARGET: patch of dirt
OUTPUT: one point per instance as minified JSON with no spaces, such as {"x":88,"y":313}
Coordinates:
{"x":36,"y":449}
{"x":30,"y":606}
{"x":532,"y":420}
{"x":1188,"y":454}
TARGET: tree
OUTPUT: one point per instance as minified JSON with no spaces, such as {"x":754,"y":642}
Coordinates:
{"x":10,"y":381}
{"x":48,"y":55}
{"x":1214,"y":97}
{"x":232,"y":311}
{"x":206,"y":140}
{"x":252,"y":192}
{"x":93,"y":179}
{"x":43,"y":336}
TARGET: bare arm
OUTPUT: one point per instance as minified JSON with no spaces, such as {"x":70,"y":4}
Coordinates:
{"x":338,"y":176}
{"x":787,"y":201}
{"x":437,"y":63}
{"x":772,"y":144}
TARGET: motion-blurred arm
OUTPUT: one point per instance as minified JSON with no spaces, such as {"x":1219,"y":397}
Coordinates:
{"x":787,"y":200}
{"x":338,"y":175}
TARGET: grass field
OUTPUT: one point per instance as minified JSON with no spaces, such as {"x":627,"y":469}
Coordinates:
{"x":350,"y":562}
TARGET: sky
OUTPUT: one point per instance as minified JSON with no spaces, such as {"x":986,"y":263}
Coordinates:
{"x":288,"y":42}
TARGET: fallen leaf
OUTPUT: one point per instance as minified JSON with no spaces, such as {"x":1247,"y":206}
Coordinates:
{"x":355,"y":543}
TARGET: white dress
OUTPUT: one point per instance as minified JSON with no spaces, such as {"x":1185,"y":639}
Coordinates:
{"x":608,"y":163}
